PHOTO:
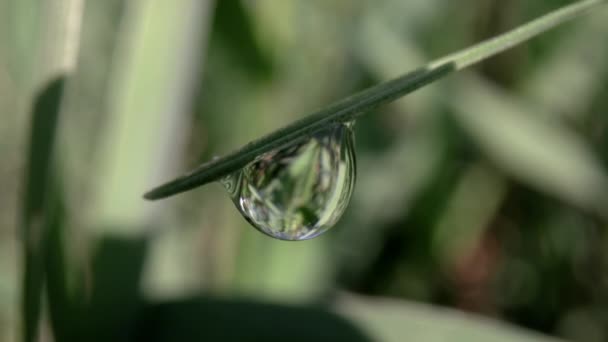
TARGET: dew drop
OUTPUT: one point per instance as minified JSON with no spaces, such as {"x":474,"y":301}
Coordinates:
{"x":299,"y":191}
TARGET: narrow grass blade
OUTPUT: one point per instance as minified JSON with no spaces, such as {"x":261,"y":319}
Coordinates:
{"x":33,"y":221}
{"x":350,"y":108}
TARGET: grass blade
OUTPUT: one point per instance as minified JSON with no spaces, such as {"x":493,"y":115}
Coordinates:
{"x":36,"y":202}
{"x":350,"y":108}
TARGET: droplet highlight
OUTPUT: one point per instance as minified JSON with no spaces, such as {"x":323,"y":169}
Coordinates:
{"x":301,"y":190}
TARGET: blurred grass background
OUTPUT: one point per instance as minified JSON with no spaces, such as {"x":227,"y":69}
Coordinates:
{"x":483,"y":194}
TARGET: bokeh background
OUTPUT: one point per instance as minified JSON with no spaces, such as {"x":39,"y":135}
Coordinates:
{"x":480,"y":209}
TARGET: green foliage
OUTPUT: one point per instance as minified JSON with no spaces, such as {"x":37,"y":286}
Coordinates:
{"x":239,"y":320}
{"x":38,"y":207}
{"x":485,"y":193}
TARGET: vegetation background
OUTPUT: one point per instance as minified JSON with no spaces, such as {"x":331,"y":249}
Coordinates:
{"x":480,"y":210}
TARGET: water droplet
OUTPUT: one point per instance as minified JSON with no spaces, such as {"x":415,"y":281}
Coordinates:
{"x":299,"y":191}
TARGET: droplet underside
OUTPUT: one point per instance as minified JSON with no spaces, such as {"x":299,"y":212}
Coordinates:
{"x":299,"y":191}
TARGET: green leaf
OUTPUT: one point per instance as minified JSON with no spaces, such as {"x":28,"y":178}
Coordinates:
{"x":107,"y":307}
{"x":204,"y":319}
{"x":148,"y":91}
{"x":232,"y":26}
{"x":61,"y":306}
{"x":392,"y":320}
{"x":350,"y":108}
{"x":34,"y":219}
{"x":545,"y":155}
{"x":115,"y":301}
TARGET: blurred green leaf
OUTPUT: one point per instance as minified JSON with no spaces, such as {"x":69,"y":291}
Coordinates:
{"x":61,"y":306}
{"x":579,"y":61}
{"x":543,"y":154}
{"x":149,"y":101}
{"x":233,"y":28}
{"x":45,"y":115}
{"x":107,"y":303}
{"x":114,"y":302}
{"x":392,"y":320}
{"x":34,"y":220}
{"x":205,"y":319}
{"x":471,"y":208}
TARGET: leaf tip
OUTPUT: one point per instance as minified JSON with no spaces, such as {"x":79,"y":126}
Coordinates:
{"x":151,"y":195}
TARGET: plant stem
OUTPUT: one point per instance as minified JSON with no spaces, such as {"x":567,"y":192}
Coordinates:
{"x":351,"y":107}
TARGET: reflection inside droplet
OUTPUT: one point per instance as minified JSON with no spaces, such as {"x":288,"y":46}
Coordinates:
{"x":299,"y":191}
